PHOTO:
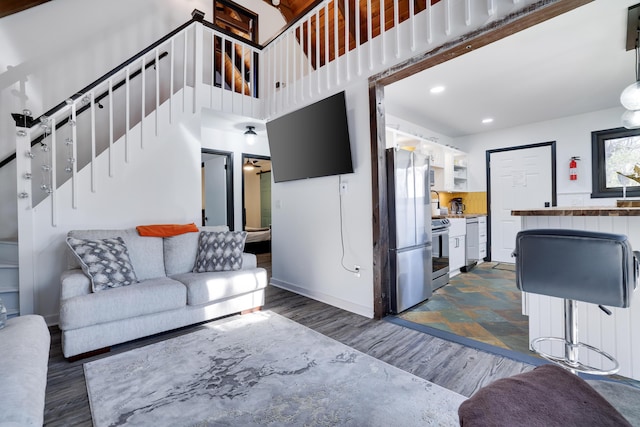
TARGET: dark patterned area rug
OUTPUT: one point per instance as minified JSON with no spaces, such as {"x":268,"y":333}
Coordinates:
{"x":260,"y":369}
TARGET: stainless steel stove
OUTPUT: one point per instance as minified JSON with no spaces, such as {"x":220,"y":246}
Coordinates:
{"x":440,"y":252}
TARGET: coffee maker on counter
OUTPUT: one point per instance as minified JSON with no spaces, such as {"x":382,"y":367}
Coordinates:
{"x":457,"y":207}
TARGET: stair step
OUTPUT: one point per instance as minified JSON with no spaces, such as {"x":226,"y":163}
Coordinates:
{"x":8,"y":252}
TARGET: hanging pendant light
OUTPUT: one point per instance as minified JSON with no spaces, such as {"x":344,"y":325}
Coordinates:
{"x":631,"y":119}
{"x":250,"y":135}
{"x":630,"y":97}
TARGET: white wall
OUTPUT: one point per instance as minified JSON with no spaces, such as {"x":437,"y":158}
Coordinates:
{"x":306,"y":246}
{"x":573,"y":138}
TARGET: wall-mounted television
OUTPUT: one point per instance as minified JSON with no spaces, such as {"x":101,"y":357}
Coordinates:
{"x":311,"y":142}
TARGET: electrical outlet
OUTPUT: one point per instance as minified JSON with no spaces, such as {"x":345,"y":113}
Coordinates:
{"x":343,"y":188}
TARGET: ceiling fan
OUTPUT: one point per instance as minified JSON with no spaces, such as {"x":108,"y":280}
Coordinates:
{"x":251,"y":164}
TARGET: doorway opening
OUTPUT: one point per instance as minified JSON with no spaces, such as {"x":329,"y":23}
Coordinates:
{"x":256,"y":203}
{"x":217,"y":188}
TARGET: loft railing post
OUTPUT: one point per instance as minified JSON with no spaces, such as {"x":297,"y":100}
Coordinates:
{"x":26,"y":255}
{"x":198,"y":59}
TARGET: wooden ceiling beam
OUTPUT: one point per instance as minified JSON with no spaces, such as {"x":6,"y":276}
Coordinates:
{"x":9,"y":7}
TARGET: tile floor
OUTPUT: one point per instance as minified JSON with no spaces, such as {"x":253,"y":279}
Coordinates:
{"x":483,"y":304}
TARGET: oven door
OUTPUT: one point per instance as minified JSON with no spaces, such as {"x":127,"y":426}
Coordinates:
{"x":440,"y":256}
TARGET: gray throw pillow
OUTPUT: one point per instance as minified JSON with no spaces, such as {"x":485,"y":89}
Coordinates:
{"x":219,"y":251}
{"x":105,"y":261}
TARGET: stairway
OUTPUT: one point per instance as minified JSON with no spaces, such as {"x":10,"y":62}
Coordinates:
{"x":9,"y":289}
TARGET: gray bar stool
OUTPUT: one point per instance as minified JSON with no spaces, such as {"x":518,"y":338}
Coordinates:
{"x":576,"y":265}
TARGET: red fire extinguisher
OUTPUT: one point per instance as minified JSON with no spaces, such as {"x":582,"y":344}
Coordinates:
{"x":573,"y":168}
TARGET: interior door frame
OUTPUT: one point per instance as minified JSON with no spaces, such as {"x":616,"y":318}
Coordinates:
{"x":491,"y":32}
{"x":554,"y":197}
{"x":246,"y":156}
{"x":229,"y":179}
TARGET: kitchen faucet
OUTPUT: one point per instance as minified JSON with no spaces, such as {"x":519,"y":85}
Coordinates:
{"x":434,"y":191}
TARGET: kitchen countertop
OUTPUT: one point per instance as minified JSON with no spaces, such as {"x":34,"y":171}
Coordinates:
{"x":579,"y":211}
{"x":464,"y":215}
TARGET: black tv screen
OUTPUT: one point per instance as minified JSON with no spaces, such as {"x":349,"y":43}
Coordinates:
{"x":311,"y":142}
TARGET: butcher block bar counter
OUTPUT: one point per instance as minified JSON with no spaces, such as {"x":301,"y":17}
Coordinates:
{"x":580,"y":211}
{"x":618,"y":334}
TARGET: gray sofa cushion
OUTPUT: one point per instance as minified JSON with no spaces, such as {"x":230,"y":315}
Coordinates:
{"x":24,"y":352}
{"x":219,"y":251}
{"x":203,"y":288}
{"x":105,"y":261}
{"x":180,"y":251}
{"x":146,"y":253}
{"x":150,"y":296}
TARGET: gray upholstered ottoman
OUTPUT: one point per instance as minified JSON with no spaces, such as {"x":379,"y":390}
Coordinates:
{"x":547,"y":396}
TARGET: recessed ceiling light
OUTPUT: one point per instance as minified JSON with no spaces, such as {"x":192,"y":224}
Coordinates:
{"x":437,"y":89}
{"x":487,"y":120}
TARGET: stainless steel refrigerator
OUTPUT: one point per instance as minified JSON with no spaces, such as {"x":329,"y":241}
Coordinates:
{"x":410,"y":248}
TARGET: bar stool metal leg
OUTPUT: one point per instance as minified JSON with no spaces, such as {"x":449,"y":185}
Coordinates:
{"x":571,"y":358}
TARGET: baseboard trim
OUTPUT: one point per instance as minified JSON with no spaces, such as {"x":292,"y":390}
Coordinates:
{"x":325,"y":298}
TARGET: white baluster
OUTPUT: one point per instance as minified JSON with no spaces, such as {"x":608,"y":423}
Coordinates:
{"x":336,"y":40}
{"x":184,"y":72}
{"x":370,"y":32}
{"x":326,"y":43}
{"x":171,"y":76}
{"x":93,"y":141}
{"x":73,"y":162}
{"x":412,"y":24}
{"x":127,"y":107}
{"x":110,"y":127}
{"x":157,"y":69}
{"x":53,"y":187}
{"x":143,"y":83}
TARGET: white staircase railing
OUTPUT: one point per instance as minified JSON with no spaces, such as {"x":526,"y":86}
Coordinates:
{"x":309,"y":59}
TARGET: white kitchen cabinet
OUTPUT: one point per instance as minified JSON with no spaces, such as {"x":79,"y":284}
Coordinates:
{"x":448,"y":164}
{"x":460,"y":172}
{"x":457,"y":245}
{"x":477,"y":238}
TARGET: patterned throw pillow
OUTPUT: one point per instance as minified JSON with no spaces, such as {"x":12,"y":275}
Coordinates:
{"x":105,"y":261}
{"x":219,"y":251}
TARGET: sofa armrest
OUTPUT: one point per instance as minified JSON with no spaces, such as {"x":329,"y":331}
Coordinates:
{"x":24,"y":353}
{"x":74,"y":283}
{"x":249,"y":261}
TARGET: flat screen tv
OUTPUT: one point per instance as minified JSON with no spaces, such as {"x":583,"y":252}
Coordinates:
{"x":311,"y":142}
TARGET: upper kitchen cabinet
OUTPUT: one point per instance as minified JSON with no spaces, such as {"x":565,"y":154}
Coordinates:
{"x":449,"y":164}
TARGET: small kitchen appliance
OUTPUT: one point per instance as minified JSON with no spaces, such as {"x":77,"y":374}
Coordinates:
{"x":457,"y":207}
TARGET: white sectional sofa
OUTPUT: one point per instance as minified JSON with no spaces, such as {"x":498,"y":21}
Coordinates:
{"x":168,"y":295}
{"x":24,"y":358}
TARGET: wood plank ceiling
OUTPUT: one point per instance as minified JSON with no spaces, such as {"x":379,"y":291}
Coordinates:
{"x":8,"y":7}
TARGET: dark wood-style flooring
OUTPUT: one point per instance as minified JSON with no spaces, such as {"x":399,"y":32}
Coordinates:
{"x":453,"y":366}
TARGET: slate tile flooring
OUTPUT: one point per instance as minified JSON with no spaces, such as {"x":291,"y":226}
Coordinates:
{"x":483,"y":304}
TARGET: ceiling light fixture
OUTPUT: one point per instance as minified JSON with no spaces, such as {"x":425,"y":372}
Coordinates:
{"x":487,"y":120}
{"x":437,"y":89}
{"x":248,"y":166}
{"x":630,"y":97}
{"x":250,"y":135}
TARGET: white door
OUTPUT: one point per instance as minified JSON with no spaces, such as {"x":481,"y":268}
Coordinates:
{"x":215,"y":191}
{"x":520,"y":179}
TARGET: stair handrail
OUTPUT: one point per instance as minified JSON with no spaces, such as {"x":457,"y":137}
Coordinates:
{"x":197,"y":16}
{"x":23,"y":120}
